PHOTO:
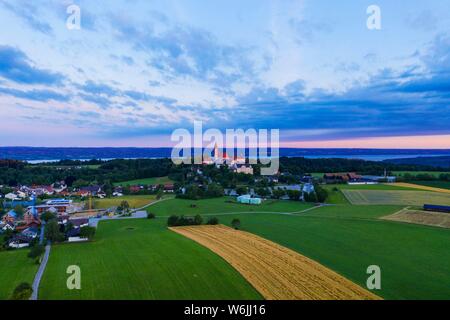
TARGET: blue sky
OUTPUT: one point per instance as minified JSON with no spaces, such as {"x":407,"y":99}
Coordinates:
{"x":137,"y":70}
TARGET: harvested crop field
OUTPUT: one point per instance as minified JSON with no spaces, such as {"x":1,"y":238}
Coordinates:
{"x":391,"y":197}
{"x":423,"y":187}
{"x":428,"y":218}
{"x":276,"y":272}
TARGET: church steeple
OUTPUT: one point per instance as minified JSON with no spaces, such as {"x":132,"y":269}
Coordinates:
{"x":216,"y":152}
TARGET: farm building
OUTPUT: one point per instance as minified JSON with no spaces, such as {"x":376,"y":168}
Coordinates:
{"x":389,"y":179}
{"x":430,"y":207}
{"x":247,"y":199}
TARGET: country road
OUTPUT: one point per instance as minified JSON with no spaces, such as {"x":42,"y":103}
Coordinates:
{"x":40,"y":273}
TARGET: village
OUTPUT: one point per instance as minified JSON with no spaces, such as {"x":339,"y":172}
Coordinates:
{"x":26,"y":207}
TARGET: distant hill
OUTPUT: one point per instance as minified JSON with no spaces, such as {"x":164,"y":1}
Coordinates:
{"x":30,"y":153}
{"x":436,"y":162}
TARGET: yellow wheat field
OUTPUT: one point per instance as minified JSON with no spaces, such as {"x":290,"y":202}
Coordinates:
{"x":276,"y":272}
{"x":416,"y":186}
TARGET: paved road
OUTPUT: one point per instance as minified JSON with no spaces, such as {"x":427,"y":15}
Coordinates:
{"x":40,"y":273}
{"x":135,"y":214}
{"x":41,"y":237}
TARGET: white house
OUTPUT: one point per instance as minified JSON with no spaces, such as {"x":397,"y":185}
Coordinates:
{"x":11,"y":196}
{"x":308,"y":188}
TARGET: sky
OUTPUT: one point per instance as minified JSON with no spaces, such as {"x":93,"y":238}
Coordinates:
{"x":137,"y":70}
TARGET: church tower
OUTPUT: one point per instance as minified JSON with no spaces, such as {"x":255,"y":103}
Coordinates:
{"x":216,"y":152}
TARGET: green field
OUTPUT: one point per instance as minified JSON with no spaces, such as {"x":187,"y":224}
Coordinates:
{"x":145,"y":182}
{"x":142,"y":259}
{"x":222,"y":205}
{"x":415,"y":173}
{"x":133,"y":201}
{"x":434,"y":184}
{"x":414,"y":259}
{"x":391,"y":197}
{"x":15,"y":268}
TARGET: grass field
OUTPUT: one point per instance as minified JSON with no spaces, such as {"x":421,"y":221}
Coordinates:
{"x":276,"y":271}
{"x":147,"y":181}
{"x":415,"y":173}
{"x":133,"y":201}
{"x":142,"y":259}
{"x":414,"y":259}
{"x":15,"y":268}
{"x":408,"y":198}
{"x":222,"y":205}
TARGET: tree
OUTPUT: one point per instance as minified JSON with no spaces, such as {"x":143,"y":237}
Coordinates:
{"x":262,"y":192}
{"x":172,"y":221}
{"x":151,"y":215}
{"x":294,"y":194}
{"x":124,"y":207}
{"x":87,"y":232}
{"x":198,"y":220}
{"x":236,"y":224}
{"x":321,"y":193}
{"x":159,"y":194}
{"x":36,"y":251}
{"x":214,"y":191}
{"x":242,"y":190}
{"x":279,"y":193}
{"x":53,"y":233}
{"x":213,"y":221}
{"x":22,"y":292}
{"x":19,"y":210}
{"x":47,"y":216}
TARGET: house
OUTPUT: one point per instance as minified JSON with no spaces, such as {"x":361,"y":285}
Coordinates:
{"x":59,"y":187}
{"x":57,"y":206}
{"x":58,"y":202}
{"x":135,"y":189}
{"x":31,"y":232}
{"x":378,"y":179}
{"x":11,"y":216}
{"x":308,"y":188}
{"x":63,"y":219}
{"x":11,"y":196}
{"x":341,"y":177}
{"x":247,"y":199}
{"x":60,"y":208}
{"x":73,"y":235}
{"x":31,"y":219}
{"x":89,"y":191}
{"x":8,"y":226}
{"x":19,"y":241}
{"x":170,"y":188}
{"x":294,"y":187}
{"x":244,"y":169}
{"x":79,"y":223}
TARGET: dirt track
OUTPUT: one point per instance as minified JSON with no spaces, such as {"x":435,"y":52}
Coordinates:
{"x":276,"y":272}
{"x":428,"y":218}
